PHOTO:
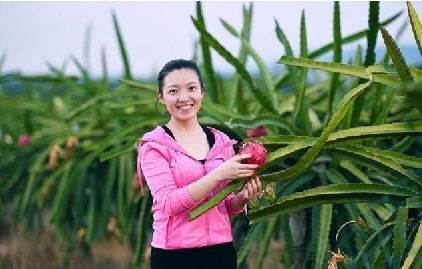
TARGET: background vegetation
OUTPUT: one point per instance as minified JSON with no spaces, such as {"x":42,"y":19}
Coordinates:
{"x":344,"y":142}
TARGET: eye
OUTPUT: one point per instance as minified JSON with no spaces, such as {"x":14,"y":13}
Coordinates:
{"x":171,"y":91}
{"x":192,"y":88}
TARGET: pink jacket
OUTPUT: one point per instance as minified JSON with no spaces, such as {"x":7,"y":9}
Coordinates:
{"x":168,"y":169}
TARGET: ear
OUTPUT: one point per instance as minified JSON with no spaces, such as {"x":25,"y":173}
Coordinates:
{"x":160,"y":98}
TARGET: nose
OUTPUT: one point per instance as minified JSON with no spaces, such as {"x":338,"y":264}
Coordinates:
{"x":184,"y":96}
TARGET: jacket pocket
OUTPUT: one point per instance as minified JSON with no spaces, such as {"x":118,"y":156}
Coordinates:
{"x":171,"y":240}
{"x":193,"y":232}
{"x":224,"y":218}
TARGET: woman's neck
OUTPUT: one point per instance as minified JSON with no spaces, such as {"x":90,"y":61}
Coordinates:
{"x":184,"y":127}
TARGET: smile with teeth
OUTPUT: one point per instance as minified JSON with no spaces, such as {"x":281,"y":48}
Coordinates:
{"x":185,"y":107}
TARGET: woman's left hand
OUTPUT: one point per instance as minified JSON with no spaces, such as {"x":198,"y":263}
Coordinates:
{"x":251,"y":190}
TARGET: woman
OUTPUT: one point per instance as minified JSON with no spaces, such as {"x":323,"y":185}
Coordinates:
{"x":184,"y":164}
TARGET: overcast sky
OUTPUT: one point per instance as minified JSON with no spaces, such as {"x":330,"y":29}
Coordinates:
{"x":155,"y":32}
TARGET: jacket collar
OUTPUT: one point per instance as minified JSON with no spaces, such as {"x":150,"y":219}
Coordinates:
{"x":160,"y":136}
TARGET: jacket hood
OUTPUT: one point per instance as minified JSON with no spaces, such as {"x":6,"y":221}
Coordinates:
{"x":159,"y":135}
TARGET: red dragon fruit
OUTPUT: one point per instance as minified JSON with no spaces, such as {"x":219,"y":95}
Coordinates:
{"x":256,"y":149}
{"x":258,"y":131}
{"x":24,"y":140}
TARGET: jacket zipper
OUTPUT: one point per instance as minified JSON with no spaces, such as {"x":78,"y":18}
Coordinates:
{"x":205,"y":215}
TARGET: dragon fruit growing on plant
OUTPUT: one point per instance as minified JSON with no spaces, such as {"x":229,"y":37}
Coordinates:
{"x":24,"y":140}
{"x":258,"y":131}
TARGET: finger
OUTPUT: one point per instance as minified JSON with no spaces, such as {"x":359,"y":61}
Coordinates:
{"x":246,"y":191}
{"x":249,"y":166}
{"x":244,"y":156}
{"x":254,"y":185}
{"x":246,"y":169}
{"x":250,"y":190}
{"x":242,"y":175}
{"x":252,"y":171}
{"x":255,"y":189}
{"x":258,"y":183}
{"x":248,"y":173}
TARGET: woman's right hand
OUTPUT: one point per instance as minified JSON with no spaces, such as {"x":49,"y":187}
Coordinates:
{"x":233,"y":168}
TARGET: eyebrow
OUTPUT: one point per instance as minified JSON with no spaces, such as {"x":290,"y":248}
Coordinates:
{"x":176,"y":85}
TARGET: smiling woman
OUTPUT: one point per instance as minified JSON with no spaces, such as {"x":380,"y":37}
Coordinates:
{"x":183,"y":94}
{"x":185,"y":163}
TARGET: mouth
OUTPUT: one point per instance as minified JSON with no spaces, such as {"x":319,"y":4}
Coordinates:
{"x":185,"y":107}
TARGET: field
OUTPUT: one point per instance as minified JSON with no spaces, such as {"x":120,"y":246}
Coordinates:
{"x":344,"y":142}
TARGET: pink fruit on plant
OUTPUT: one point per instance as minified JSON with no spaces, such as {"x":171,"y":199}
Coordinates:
{"x":256,"y":149}
{"x":258,"y":131}
{"x":24,"y":140}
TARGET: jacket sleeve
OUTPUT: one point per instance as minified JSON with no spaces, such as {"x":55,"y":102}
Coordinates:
{"x":156,"y":169}
{"x":232,"y":211}
{"x":228,"y":200}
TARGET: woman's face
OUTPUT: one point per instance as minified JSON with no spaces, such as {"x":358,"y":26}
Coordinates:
{"x":182,"y":94}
